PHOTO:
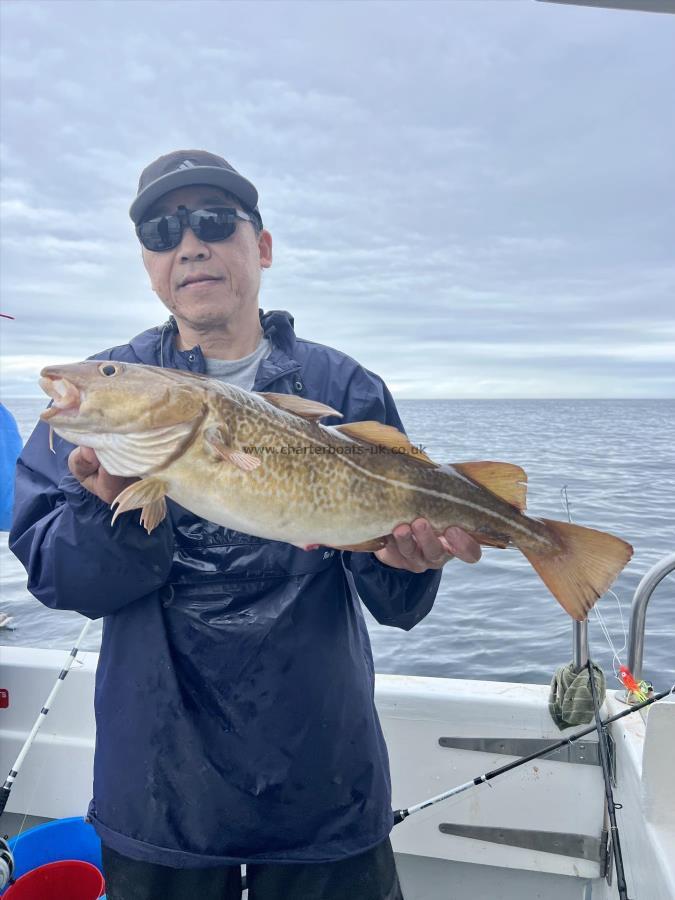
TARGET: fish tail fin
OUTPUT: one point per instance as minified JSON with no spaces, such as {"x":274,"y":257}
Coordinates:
{"x":582,"y":569}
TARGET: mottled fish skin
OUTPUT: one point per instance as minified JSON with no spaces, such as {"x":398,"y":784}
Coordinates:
{"x":313,"y":485}
{"x":244,"y":461}
{"x":308,"y":489}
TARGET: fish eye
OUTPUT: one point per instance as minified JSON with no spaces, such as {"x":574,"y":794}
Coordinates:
{"x":108,"y":369}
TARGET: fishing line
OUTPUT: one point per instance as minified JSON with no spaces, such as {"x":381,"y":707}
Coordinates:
{"x":566,"y":502}
{"x":616,"y":658}
{"x":36,"y":785}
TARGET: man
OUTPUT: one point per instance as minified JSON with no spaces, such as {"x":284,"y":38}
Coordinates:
{"x":234,"y":692}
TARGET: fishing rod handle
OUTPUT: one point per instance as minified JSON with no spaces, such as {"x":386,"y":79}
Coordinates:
{"x":4,"y":797}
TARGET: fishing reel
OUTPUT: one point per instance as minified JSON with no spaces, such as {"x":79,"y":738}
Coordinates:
{"x":6,"y":864}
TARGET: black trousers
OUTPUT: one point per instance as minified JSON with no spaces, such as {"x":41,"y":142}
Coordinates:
{"x":368,"y":876}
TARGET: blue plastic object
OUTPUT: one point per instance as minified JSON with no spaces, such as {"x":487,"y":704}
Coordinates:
{"x":61,"y":839}
{"x":10,"y":447}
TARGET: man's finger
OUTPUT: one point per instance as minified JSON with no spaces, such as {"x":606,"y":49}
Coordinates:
{"x":446,"y":546}
{"x":431,"y":548}
{"x":405,"y":542}
{"x":391,"y":556}
{"x":83,"y":462}
{"x":462,"y":545}
{"x":89,"y":454}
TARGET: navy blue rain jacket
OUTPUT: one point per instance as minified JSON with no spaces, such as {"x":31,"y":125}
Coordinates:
{"x":234,"y":692}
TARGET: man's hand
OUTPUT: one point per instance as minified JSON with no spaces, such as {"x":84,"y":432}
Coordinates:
{"x":86,"y":467}
{"x":416,"y":548}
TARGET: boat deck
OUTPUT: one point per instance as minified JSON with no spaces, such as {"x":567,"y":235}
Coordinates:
{"x":534,"y":832}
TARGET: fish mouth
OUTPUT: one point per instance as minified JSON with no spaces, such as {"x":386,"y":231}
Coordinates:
{"x":65,"y":395}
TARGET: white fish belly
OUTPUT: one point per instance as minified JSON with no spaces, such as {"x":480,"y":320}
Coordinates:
{"x":275,"y":505}
{"x":291,"y":525}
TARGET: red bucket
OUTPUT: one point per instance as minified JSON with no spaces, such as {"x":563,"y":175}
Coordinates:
{"x":68,"y":879}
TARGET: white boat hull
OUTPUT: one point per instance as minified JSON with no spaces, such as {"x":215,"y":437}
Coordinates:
{"x":540,"y":798}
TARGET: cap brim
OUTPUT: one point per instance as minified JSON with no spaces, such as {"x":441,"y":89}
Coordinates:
{"x":230,"y":181}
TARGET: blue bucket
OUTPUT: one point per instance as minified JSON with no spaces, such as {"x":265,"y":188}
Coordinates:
{"x":54,"y":841}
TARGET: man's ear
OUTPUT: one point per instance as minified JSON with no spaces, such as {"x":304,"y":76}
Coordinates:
{"x":265,"y":249}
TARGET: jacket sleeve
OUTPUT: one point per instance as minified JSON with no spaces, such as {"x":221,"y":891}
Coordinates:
{"x":61,"y":533}
{"x":393,"y":596}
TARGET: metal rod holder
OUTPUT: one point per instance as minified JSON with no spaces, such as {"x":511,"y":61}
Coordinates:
{"x":580,"y":644}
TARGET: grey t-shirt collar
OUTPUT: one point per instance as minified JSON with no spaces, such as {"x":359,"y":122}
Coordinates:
{"x":240,"y":372}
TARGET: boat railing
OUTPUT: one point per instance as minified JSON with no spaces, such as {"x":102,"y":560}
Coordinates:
{"x":642,"y":596}
{"x":636,"y":635}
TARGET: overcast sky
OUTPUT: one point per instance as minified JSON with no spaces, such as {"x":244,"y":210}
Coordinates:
{"x":473,"y":199}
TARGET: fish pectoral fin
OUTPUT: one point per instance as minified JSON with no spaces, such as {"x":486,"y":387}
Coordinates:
{"x":218,"y":440}
{"x":385,"y":436}
{"x":147,"y":494}
{"x":504,"y":480}
{"x":366,"y":546}
{"x":300,"y":406}
{"x":244,"y":461}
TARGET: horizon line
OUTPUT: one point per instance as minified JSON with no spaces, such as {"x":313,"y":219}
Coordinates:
{"x":437,"y":399}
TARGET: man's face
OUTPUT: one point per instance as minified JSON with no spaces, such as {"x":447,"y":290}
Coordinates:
{"x":233,"y":265}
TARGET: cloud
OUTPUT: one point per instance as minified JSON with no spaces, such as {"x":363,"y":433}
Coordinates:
{"x":55,"y":247}
{"x":140,"y":73}
{"x":467,"y":204}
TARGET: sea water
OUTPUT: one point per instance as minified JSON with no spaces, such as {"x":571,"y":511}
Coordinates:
{"x":614,"y":460}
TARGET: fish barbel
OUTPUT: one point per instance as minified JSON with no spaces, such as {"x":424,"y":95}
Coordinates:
{"x":261,"y":463}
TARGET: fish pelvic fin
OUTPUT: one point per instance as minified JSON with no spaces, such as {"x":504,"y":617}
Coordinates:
{"x":148,"y":495}
{"x":152,"y":514}
{"x":504,"y":480}
{"x":583,"y":567}
{"x":385,"y":436}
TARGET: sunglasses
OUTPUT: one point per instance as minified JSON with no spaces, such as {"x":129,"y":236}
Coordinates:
{"x":166,"y":232}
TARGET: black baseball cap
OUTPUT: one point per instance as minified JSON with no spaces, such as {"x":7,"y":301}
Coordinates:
{"x":185,"y":167}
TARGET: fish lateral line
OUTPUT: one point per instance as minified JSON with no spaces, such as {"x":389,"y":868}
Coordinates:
{"x":576,"y":564}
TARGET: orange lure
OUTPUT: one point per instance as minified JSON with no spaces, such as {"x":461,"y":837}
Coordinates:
{"x":631,"y":684}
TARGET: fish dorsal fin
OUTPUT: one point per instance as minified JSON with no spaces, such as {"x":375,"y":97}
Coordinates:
{"x":384,"y":436}
{"x":506,"y":481}
{"x":300,"y":406}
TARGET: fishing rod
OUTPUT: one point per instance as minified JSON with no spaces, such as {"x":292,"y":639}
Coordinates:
{"x":609,"y":795}
{"x":401,"y":814}
{"x":14,"y":771}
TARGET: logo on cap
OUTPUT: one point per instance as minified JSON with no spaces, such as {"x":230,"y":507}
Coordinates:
{"x":187,"y":164}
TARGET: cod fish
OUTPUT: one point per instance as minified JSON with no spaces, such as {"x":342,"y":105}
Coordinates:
{"x":262,"y":463}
